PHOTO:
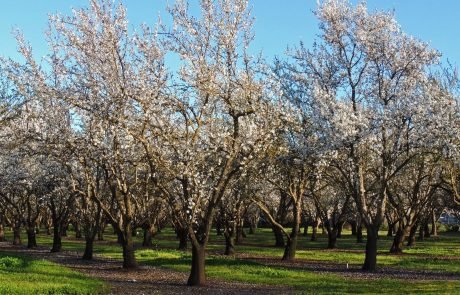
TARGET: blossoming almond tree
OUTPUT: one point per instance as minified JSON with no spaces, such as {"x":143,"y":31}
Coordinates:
{"x":223,"y":116}
{"x":107,"y":79}
{"x":367,"y":80}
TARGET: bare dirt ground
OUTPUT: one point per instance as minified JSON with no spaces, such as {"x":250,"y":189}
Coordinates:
{"x":145,"y":280}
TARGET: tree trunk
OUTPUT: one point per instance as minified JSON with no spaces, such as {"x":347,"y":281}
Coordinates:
{"x":229,"y":243}
{"x":291,"y":245}
{"x":421,"y":233}
{"x":100,"y":231}
{"x":219,"y":230}
{"x":305,"y":230}
{"x":64,"y":229}
{"x":434,"y":226}
{"x":88,"y":254}
{"x":353,"y":228}
{"x":2,"y":233}
{"x":332,"y":238}
{"x":129,"y":259}
{"x":398,"y":241}
{"x":182,"y":234}
{"x":426,"y":229}
{"x":370,"y":261}
{"x":339,"y":231}
{"x":390,"y":230}
{"x":197,"y":275}
{"x":291,"y":248}
{"x":314,"y":233}
{"x":17,"y":236}
{"x":359,"y":234}
{"x":57,"y":242}
{"x":252,"y":226}
{"x":279,"y":238}
{"x":76,"y":227}
{"x":31,"y":237}
{"x":411,"y":238}
{"x":149,"y":232}
{"x":240,"y":235}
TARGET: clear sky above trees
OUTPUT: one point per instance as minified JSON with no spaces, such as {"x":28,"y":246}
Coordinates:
{"x":278,"y":22}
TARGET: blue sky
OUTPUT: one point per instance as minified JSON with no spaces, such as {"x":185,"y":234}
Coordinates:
{"x":278,"y":22}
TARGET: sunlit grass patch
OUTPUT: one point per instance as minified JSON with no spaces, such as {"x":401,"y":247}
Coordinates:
{"x":24,"y":275}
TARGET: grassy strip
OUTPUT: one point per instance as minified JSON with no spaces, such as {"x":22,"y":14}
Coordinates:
{"x":231,"y":269}
{"x":437,"y":253}
{"x":25,"y":275}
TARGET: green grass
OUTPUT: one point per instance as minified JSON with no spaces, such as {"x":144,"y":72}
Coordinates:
{"x":24,"y":275}
{"x":304,"y":281}
{"x":440,"y":253}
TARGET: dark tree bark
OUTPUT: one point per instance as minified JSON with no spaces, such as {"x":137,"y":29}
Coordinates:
{"x":339,"y":230}
{"x":392,"y":222}
{"x":230,"y":229}
{"x":279,"y":237}
{"x":31,"y":237}
{"x":359,"y":234}
{"x":332,"y":235}
{"x":421,"y":233}
{"x":197,"y":274}
{"x":129,"y":259}
{"x":182,"y":235}
{"x":434,"y":226}
{"x":240,"y":235}
{"x":91,"y":228}
{"x":64,"y":229}
{"x":150,"y":230}
{"x":370,"y":261}
{"x":77,"y":229}
{"x":399,"y":238}
{"x":305,"y":230}
{"x":59,"y":215}
{"x":57,"y":241}
{"x":353,"y":227}
{"x":411,"y":237}
{"x":2,"y":232}
{"x":229,"y":243}
{"x":125,"y":239}
{"x":17,"y":235}
{"x":291,"y":245}
{"x":219,"y":230}
{"x":314,"y":234}
{"x":101,"y":230}
{"x":390,"y":231}
{"x":426,"y":230}
{"x":89,"y":246}
{"x":252,"y":225}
